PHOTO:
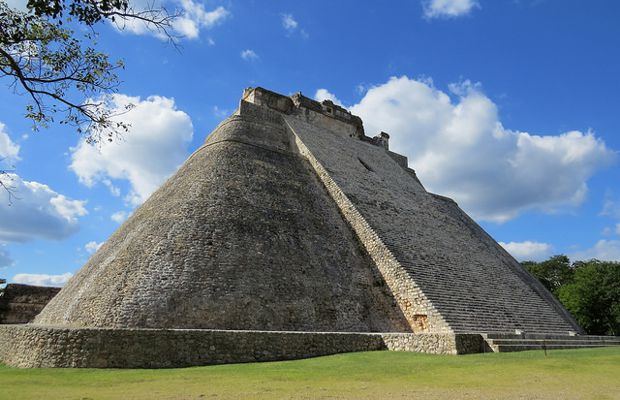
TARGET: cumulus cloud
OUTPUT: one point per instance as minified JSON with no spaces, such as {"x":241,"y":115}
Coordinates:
{"x":291,"y":26}
{"x":92,"y":246}
{"x":193,"y":16}
{"x":608,"y":231}
{"x":289,"y":23}
{"x":611,"y":207}
{"x":324,"y":94}
{"x":38,"y":212}
{"x":9,"y":151}
{"x":32,"y":210}
{"x":221,"y":112}
{"x":249,"y":55}
{"x":42,"y":279}
{"x":604,"y":250}
{"x":119,"y":216}
{"x":17,"y":4}
{"x":155,"y":146}
{"x":448,"y":8}
{"x":460,"y":148}
{"x":528,"y":250}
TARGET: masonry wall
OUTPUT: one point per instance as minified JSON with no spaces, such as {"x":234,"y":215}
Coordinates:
{"x":417,"y":309}
{"x":455,"y":274}
{"x":34,"y":346}
{"x":20,"y":304}
{"x":281,"y":223}
{"x":244,"y":237}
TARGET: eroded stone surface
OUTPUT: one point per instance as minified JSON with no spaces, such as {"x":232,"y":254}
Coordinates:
{"x":20,"y":304}
{"x":288,"y":218}
{"x":244,"y":236}
{"x":37,"y":346}
{"x":437,"y":260}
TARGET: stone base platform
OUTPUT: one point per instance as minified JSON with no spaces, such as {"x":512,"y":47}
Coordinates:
{"x":29,"y":346}
{"x":505,"y":342}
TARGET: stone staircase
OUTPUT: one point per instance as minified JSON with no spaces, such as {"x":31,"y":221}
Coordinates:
{"x":504,"y":342}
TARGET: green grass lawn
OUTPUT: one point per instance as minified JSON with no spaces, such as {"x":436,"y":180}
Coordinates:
{"x":562,"y":374}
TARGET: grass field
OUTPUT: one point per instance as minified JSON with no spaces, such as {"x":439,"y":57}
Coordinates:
{"x":565,"y":374}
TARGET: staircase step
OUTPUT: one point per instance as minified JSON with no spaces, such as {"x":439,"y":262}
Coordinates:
{"x":550,"y":342}
{"x":505,"y":341}
{"x":523,"y":347}
{"x":549,"y":336}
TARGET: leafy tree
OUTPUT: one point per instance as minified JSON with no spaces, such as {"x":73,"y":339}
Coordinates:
{"x":552,"y":273}
{"x":45,"y":55}
{"x":594,"y":296}
{"x":590,"y":290}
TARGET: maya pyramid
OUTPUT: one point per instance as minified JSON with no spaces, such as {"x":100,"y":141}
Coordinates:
{"x":290,"y":219}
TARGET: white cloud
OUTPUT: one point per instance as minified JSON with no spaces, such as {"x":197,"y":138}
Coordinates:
{"x":604,"y":250}
{"x":611,"y":207}
{"x":37,"y":212}
{"x":448,"y":8}
{"x":119,"y":216}
{"x":5,"y":258}
{"x":608,"y":231}
{"x":92,"y":246}
{"x":195,"y":17}
{"x":32,"y":210}
{"x":17,"y":4}
{"x":9,"y":151}
{"x":155,"y":146}
{"x":289,"y":23}
{"x":461,"y":149}
{"x":114,"y":190}
{"x":249,"y":55}
{"x":528,"y":251}
{"x":42,"y":279}
{"x":221,"y":112}
{"x":192,"y":18}
{"x":324,"y":94}
{"x":68,"y":209}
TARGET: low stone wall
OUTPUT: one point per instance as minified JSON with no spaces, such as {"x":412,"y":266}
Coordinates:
{"x":434,"y":343}
{"x":19,"y":304}
{"x":30,"y":346}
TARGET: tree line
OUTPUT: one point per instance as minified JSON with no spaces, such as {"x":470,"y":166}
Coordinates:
{"x":590,"y":290}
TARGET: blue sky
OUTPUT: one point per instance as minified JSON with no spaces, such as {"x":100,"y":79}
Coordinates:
{"x":510,"y":107}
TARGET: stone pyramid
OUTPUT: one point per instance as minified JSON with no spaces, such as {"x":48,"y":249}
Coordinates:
{"x":290,"y":219}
